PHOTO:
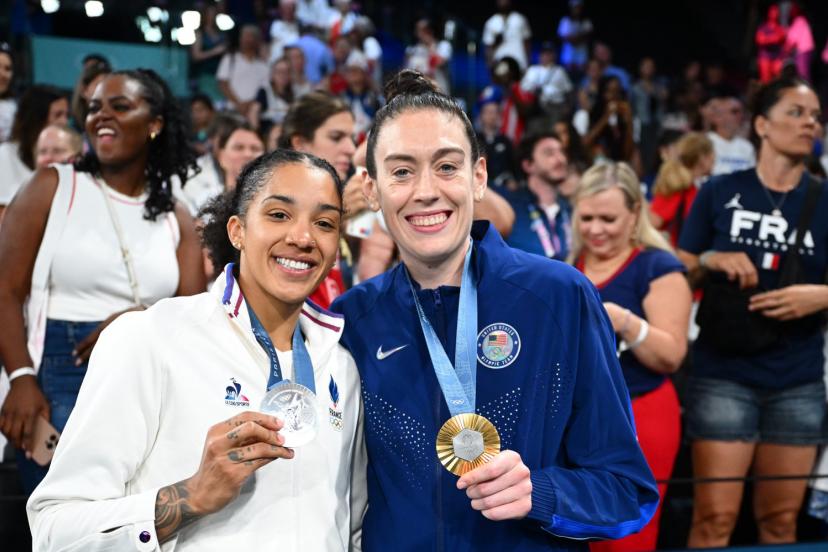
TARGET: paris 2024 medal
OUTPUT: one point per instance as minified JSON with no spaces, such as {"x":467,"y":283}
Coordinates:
{"x":467,"y":441}
{"x":295,"y":405}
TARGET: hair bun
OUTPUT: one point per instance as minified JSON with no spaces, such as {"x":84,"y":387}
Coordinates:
{"x":408,"y":83}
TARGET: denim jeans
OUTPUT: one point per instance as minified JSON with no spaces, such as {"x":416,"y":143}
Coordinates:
{"x":60,"y":381}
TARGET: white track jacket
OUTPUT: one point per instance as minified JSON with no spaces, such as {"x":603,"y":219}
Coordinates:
{"x":157,"y":381}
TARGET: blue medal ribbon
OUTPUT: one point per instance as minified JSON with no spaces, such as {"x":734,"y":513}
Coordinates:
{"x":302,"y":366}
{"x":457,"y":382}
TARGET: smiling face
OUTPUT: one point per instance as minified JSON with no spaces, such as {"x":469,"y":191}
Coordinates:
{"x":333,"y":142}
{"x":426,"y":184}
{"x":120,"y":121}
{"x":289,"y":235}
{"x":605,"y":224}
{"x":242,"y":147}
{"x":792,"y":124}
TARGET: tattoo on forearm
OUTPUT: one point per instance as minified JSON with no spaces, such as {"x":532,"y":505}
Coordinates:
{"x":173,"y":510}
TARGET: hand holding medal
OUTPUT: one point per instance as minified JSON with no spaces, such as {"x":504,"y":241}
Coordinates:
{"x":500,"y":489}
{"x":294,"y":404}
{"x":467,"y":440}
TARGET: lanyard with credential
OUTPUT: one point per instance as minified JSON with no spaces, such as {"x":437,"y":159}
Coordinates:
{"x":302,"y":366}
{"x":467,"y":439}
{"x":544,"y":236}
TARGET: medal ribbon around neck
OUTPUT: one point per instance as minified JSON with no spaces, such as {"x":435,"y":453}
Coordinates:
{"x":293,"y":403}
{"x":467,"y":440}
{"x":458,"y":382}
{"x":302,"y":366}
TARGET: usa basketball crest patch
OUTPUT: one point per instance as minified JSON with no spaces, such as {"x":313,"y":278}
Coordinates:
{"x":498,"y":345}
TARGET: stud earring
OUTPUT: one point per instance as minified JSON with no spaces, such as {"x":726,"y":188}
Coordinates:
{"x":153,"y":134}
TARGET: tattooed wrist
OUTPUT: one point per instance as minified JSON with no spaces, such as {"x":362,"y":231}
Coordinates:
{"x":173,"y":510}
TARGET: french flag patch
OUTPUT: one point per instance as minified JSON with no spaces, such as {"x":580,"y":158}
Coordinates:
{"x":770,"y":261}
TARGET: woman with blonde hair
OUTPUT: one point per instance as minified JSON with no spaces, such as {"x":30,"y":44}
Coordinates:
{"x":647,"y":298}
{"x":678,"y":181}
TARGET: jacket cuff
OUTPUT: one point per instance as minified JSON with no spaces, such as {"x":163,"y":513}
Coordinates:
{"x":544,"y":498}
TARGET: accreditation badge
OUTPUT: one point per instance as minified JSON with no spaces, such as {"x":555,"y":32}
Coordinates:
{"x":467,"y":441}
{"x":295,"y":405}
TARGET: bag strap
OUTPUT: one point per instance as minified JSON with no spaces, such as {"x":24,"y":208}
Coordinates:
{"x":787,"y":275}
{"x":125,"y":254}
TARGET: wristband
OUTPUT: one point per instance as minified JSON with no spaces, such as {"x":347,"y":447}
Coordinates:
{"x":22,"y":371}
{"x":704,"y":257}
{"x":626,"y":323}
{"x":642,"y":335}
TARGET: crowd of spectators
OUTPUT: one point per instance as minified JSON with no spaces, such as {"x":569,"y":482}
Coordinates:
{"x":631,"y":177}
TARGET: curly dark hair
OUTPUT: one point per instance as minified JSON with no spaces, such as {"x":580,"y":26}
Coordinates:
{"x":235,"y":202}
{"x":170,"y":153}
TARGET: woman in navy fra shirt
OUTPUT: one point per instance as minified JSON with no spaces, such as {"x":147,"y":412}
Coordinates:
{"x":646,"y":295}
{"x":762,"y":411}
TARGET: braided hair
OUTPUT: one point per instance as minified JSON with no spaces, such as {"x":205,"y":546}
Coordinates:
{"x":170,"y":153}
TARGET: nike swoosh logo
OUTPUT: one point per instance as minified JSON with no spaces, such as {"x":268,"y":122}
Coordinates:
{"x":382,"y":355}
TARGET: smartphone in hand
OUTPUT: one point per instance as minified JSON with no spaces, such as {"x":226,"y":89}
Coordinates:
{"x":46,"y":438}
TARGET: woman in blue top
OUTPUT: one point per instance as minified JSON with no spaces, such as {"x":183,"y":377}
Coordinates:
{"x":646,"y":295}
{"x":762,"y":409}
{"x":533,"y":355}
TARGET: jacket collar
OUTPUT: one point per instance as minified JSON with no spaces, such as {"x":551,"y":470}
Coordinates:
{"x":321,"y":328}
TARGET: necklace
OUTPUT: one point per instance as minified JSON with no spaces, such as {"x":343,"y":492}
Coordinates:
{"x":777,"y":207}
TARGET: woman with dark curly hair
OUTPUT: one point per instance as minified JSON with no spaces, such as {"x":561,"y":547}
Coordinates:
{"x":85,"y":244}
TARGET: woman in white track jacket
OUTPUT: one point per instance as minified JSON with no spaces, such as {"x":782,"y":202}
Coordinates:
{"x":134,"y":470}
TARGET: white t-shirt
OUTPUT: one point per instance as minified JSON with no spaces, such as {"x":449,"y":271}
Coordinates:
{"x":202,"y":187}
{"x":92,"y":290}
{"x":282,"y":33}
{"x":731,"y":155}
{"x":315,"y":13}
{"x":419,"y":59}
{"x":550,"y":84}
{"x":244,"y":76}
{"x":8,"y":108}
{"x":13,"y":172}
{"x":515,"y":30}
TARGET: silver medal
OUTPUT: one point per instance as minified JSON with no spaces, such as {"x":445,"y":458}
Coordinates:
{"x":295,"y":405}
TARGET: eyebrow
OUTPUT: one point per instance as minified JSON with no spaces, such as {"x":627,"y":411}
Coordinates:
{"x":442,"y":152}
{"x":111,"y":99}
{"x":290,"y":201}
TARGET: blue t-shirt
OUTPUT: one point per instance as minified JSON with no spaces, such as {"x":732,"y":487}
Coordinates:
{"x":627,"y":288}
{"x":533,"y":232}
{"x":735,"y":213}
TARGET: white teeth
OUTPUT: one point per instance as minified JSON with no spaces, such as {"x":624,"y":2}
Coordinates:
{"x":431,"y":220}
{"x":291,"y":264}
{"x":106,"y":132}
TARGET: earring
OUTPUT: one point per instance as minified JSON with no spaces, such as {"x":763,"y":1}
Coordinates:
{"x":237,"y":245}
{"x":153,"y":134}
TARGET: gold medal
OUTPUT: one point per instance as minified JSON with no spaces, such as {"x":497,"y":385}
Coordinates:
{"x":465,"y":442}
